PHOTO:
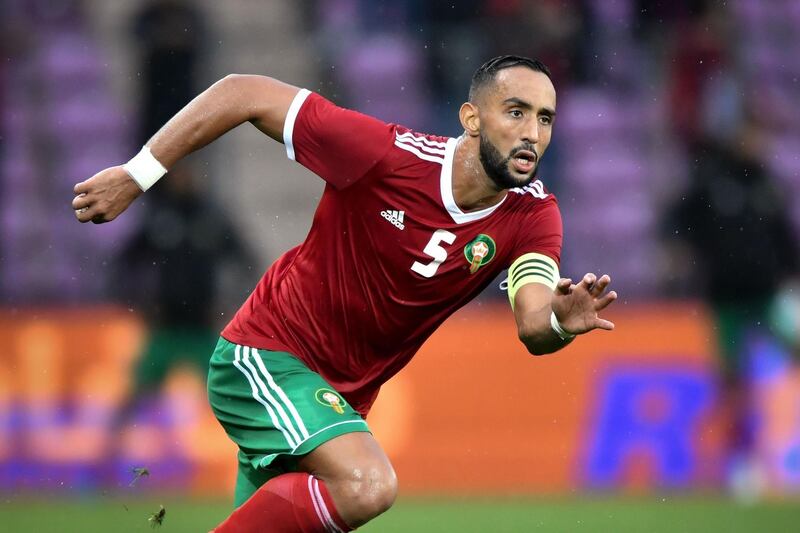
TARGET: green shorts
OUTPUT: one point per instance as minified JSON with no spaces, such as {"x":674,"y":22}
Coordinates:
{"x":275,"y":409}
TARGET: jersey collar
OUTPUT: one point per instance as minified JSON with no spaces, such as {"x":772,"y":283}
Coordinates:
{"x":446,"y":185}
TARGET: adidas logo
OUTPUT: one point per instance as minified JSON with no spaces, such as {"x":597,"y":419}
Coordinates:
{"x":395,"y":217}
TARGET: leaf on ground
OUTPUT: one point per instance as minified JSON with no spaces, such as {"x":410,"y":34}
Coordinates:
{"x":157,"y":518}
{"x":138,"y":472}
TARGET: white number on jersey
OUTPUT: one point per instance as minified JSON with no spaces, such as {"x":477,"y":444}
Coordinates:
{"x":434,"y":250}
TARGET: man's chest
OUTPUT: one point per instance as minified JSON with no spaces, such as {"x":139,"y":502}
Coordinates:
{"x":411,"y":238}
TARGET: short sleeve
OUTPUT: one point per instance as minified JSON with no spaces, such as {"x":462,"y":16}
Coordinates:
{"x":541,"y":231}
{"x":337,"y":144}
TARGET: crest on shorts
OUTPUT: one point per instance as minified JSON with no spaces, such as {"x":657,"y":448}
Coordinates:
{"x":479,"y":252}
{"x":331,"y":399}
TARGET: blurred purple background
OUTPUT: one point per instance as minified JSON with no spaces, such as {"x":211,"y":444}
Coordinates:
{"x":640,"y":86}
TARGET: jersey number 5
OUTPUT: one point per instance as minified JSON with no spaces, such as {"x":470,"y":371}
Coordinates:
{"x":435,"y":250}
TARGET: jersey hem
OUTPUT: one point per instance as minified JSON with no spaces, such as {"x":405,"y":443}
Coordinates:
{"x":319,"y":438}
{"x":258,"y":342}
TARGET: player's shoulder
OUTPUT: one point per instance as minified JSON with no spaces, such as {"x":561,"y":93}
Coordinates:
{"x":423,"y":147}
{"x":407,"y":135}
{"x":532,"y":196}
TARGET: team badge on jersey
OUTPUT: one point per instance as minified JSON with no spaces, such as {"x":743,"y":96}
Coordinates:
{"x":479,"y":252}
{"x":330,"y":399}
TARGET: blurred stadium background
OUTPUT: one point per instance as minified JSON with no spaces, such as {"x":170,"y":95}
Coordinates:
{"x":676,"y":159}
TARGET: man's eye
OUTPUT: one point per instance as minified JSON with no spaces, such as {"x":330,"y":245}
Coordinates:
{"x":545,"y":119}
{"x":516,"y":113}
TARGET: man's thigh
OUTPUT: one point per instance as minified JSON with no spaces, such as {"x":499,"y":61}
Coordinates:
{"x":275,"y":409}
{"x":337,"y":458}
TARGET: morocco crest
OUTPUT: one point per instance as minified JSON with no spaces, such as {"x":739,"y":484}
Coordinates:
{"x":330,"y":399}
{"x":479,"y":252}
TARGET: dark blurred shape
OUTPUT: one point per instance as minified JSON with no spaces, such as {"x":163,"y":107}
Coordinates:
{"x":560,"y":33}
{"x":655,"y":17}
{"x":170,"y":270}
{"x":169,"y":35}
{"x":735,"y":218}
{"x":176,"y":254}
{"x":452,"y":54}
{"x":701,"y":56}
{"x":735,"y":221}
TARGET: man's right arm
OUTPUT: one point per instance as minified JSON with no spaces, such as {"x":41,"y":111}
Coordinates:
{"x":228,"y":103}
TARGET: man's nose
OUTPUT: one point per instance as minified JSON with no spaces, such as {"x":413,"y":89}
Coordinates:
{"x":531,"y":133}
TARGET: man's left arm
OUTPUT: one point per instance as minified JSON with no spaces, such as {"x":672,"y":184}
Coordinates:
{"x":549,"y":318}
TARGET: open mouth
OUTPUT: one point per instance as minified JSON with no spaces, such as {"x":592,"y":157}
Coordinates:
{"x":524,"y":161}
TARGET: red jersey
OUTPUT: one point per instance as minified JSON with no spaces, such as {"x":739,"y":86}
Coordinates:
{"x":389,"y":255}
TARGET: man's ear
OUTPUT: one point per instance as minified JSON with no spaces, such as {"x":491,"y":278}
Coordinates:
{"x":468,"y":115}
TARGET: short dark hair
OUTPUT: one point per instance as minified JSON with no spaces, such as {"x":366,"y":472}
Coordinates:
{"x":487,"y":72}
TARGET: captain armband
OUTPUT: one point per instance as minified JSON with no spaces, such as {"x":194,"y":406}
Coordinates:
{"x":531,"y":268}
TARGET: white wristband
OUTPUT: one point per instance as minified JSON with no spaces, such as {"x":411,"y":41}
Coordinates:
{"x":563,"y":335}
{"x":144,"y":169}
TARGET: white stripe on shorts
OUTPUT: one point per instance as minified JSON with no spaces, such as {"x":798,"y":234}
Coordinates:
{"x":257,"y":397}
{"x":266,"y":392}
{"x":279,"y":391}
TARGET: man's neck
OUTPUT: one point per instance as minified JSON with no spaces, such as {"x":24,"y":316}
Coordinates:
{"x":472,"y":188}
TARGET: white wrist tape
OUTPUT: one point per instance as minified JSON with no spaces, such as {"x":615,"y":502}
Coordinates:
{"x":145,"y":169}
{"x":563,"y":335}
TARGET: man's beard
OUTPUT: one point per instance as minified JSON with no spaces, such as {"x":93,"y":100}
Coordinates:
{"x":497,"y":167}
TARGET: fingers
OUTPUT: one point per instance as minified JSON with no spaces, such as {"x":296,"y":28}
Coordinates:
{"x":87,"y":211}
{"x":81,"y":188}
{"x":93,"y":216}
{"x":81,"y":201}
{"x":564,"y":285}
{"x":81,"y":204}
{"x":588,"y":280}
{"x":588,"y":283}
{"x":588,"y":301}
{"x":605,"y":301}
{"x":85,"y":214}
{"x":593,"y":285}
{"x":600,"y":285}
{"x":104,"y":196}
{"x":602,"y":323}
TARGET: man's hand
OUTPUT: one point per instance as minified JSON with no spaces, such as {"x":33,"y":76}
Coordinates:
{"x":104,"y":196}
{"x":576,"y":306}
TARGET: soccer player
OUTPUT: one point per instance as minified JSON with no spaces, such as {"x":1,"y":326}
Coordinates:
{"x":410,"y":228}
